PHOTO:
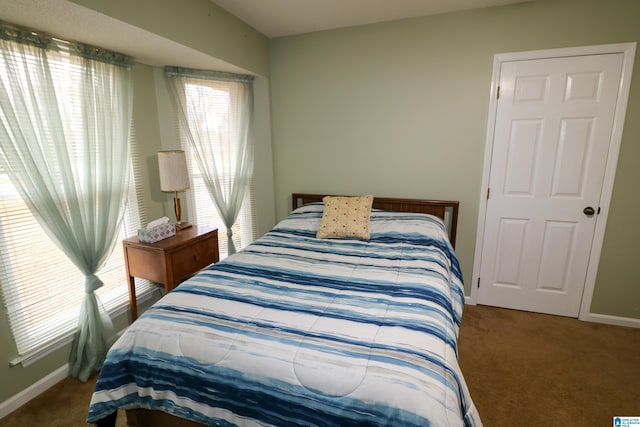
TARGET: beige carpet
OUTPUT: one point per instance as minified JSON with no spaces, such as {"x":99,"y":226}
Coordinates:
{"x":63,"y":405}
{"x":523,"y":369}
{"x":528,"y":369}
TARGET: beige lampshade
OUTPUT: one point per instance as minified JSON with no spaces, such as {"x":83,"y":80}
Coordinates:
{"x":173,"y":170}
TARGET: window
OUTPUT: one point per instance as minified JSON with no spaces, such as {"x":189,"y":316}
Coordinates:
{"x":42,"y":290}
{"x":212,"y":104}
{"x":203,"y":212}
{"x":32,"y":268}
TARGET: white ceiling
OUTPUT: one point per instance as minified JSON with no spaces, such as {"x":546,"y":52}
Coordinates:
{"x":276,"y":18}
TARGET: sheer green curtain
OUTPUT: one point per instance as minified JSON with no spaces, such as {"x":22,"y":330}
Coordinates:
{"x":67,"y":159}
{"x":215,"y":110}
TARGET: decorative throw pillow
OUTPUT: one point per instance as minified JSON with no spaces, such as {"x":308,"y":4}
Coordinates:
{"x":345,"y":217}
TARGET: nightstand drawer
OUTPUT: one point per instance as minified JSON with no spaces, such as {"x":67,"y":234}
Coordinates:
{"x":195,"y":257}
{"x":146,"y":264}
{"x":169,"y":261}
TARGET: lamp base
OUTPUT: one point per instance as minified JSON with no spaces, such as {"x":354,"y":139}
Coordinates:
{"x":182,"y":226}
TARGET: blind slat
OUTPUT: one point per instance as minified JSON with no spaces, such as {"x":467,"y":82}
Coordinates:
{"x":216,"y":103}
{"x":42,"y":289}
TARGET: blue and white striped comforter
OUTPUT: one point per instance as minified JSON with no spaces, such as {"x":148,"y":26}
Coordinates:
{"x":296,"y":330}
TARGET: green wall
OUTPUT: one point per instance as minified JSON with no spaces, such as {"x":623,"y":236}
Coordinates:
{"x":400,"y":109}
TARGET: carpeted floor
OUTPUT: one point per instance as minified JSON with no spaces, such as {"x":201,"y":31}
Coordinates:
{"x":63,"y":405}
{"x":529,"y":369}
{"x":523,"y":369}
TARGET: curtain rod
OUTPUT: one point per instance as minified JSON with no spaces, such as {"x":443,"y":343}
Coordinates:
{"x":42,"y":40}
{"x":174,"y":71}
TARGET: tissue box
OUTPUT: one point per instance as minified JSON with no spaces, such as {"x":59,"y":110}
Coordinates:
{"x":159,"y":232}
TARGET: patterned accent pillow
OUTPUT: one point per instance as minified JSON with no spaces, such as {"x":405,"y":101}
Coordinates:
{"x":345,"y":217}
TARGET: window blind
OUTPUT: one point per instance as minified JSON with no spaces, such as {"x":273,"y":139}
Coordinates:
{"x":216,"y":107}
{"x":203,"y":211}
{"x":41,"y":289}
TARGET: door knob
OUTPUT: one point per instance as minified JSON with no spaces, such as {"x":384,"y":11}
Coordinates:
{"x":589,"y":211}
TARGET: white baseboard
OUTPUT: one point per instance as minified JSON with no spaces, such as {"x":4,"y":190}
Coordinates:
{"x":613,"y":320}
{"x":628,"y":322}
{"x":34,"y":390}
{"x":13,"y":403}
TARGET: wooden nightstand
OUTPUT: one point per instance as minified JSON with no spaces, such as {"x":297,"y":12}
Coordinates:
{"x":169,"y":261}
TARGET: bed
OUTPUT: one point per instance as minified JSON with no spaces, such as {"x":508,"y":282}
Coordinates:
{"x":301,"y":330}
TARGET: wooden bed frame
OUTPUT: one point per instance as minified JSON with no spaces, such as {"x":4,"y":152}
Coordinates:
{"x":447,"y":210}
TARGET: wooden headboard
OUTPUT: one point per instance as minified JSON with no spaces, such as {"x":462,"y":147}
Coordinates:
{"x":447,"y":210}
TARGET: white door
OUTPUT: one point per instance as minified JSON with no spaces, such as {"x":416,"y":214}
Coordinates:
{"x":552,"y":133}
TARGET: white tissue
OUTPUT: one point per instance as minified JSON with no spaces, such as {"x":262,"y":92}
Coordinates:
{"x":157,"y":222}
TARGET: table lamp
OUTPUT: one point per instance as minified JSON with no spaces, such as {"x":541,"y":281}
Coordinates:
{"x":173,"y":178}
